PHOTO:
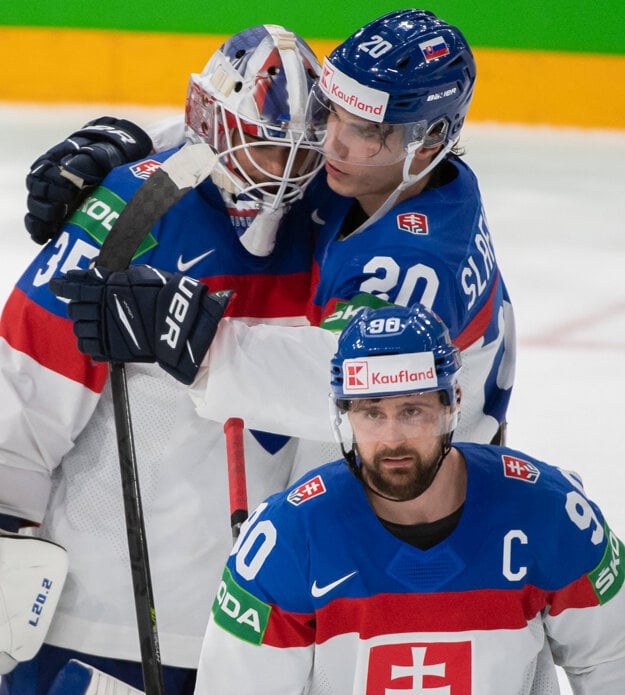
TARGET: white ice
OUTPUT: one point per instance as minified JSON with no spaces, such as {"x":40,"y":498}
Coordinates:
{"x":555,"y":200}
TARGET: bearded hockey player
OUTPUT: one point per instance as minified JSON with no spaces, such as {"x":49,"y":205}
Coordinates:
{"x":415,"y":565}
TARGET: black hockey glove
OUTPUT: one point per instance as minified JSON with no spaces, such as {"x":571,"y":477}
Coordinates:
{"x":63,"y":176}
{"x":142,"y":315}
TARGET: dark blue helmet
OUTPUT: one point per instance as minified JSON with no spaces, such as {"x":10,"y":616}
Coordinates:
{"x":408,"y":66}
{"x":394,"y":350}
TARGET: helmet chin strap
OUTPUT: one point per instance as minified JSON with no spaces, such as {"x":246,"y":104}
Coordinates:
{"x":408,"y":180}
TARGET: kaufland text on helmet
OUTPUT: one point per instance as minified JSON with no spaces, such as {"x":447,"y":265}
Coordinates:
{"x":403,"y":376}
{"x":353,"y":101}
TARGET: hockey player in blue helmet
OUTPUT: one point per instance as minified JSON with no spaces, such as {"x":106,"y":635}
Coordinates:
{"x":409,"y":227}
{"x":405,"y":356}
{"x":430,"y":567}
{"x":393,"y":96}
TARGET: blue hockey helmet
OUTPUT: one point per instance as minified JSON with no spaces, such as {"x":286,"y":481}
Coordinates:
{"x":407,"y":67}
{"x":387,"y":352}
{"x":395,"y":350}
{"x":253,"y":92}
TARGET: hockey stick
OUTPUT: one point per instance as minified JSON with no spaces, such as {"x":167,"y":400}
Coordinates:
{"x":178,"y":175}
{"x":233,"y":428}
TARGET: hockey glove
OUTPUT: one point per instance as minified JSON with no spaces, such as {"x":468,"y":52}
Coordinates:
{"x":32,"y":574}
{"x":63,"y":176}
{"x":142,"y":315}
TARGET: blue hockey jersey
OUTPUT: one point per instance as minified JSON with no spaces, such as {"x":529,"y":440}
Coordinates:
{"x":319,"y":597}
{"x":434,"y":248}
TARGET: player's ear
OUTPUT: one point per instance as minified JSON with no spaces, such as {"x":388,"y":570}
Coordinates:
{"x":428,"y":153}
{"x":458,"y":393}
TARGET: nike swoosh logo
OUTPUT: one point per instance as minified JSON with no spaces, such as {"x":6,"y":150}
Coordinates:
{"x":315,"y":217}
{"x":319,"y":591}
{"x":183,"y":266}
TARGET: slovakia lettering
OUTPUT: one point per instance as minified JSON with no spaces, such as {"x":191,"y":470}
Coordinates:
{"x":479,"y":267}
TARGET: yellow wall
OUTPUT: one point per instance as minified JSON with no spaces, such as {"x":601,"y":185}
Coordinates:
{"x":102,"y":66}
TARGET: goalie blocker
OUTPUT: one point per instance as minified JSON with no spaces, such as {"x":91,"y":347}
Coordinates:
{"x":32,"y":574}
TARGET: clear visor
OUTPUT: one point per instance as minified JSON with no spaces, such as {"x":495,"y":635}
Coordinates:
{"x":343,"y":136}
{"x":393,"y":419}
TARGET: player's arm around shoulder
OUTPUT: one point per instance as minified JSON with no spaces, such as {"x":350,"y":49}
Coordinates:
{"x":260,"y":637}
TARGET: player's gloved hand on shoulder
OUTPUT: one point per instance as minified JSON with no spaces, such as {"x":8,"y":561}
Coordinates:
{"x":143,"y":315}
{"x":60,"y":178}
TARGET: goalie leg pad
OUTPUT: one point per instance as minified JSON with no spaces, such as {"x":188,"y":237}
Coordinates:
{"x":78,"y":678}
{"x":32,"y":574}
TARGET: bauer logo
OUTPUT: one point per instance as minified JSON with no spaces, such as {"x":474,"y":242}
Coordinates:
{"x":306,"y":491}
{"x":418,"y":667}
{"x":434,"y":48}
{"x":413,"y":222}
{"x":518,"y":468}
{"x":143,"y":170}
{"x":389,"y":374}
{"x":352,"y":96}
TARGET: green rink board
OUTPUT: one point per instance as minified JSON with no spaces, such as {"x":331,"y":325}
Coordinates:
{"x":557,"y":25}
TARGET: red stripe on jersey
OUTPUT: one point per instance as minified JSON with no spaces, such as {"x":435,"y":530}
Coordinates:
{"x":53,"y":345}
{"x":384,"y":614}
{"x":579,"y":594}
{"x":289,"y":629}
{"x":478,"y":325}
{"x":314,"y":312}
{"x":264,"y":296}
{"x":487,"y":609}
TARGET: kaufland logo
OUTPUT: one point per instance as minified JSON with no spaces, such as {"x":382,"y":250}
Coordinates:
{"x":389,"y":374}
{"x":351,"y":95}
{"x":356,"y":375}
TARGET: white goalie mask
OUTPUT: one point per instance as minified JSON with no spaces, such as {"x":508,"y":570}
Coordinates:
{"x":249,"y":104}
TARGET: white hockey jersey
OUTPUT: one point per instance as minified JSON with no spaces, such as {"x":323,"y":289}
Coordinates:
{"x":58,"y":449}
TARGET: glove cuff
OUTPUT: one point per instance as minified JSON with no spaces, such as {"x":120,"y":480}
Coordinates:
{"x":184,"y":364}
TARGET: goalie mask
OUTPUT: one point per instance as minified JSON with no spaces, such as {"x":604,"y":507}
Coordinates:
{"x":394,"y":351}
{"x":252,"y":94}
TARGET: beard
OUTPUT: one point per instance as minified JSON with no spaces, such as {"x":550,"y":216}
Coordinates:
{"x":405,"y":483}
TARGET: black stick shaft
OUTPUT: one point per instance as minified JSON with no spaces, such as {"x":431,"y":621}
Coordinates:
{"x":177,"y":176}
{"x":137,"y":543}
